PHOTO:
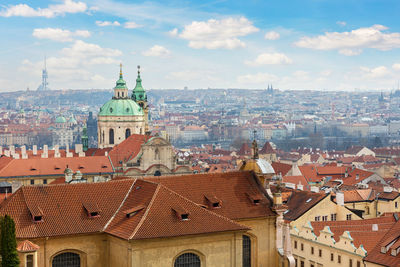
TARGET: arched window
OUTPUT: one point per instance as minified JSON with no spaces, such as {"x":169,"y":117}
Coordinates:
{"x":103,"y":138}
{"x":118,"y":94}
{"x":157,"y":173}
{"x":67,"y":259}
{"x":127,"y":133}
{"x":111,"y":137}
{"x":187,"y":260}
{"x":246,"y":251}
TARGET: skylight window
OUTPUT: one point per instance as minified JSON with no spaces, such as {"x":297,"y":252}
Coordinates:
{"x":308,"y":200}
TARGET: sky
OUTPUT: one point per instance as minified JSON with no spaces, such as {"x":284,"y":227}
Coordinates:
{"x":294,"y":44}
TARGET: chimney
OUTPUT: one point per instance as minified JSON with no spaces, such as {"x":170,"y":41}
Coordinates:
{"x":340,"y":198}
{"x":78,"y":148}
{"x":57,"y":151}
{"x":12,"y":150}
{"x":45,"y":153}
{"x":23,"y":152}
{"x":68,"y":175}
{"x":67,"y":148}
{"x":7,"y":153}
{"x":34,"y":149}
{"x":15,"y":156}
{"x":1,"y":150}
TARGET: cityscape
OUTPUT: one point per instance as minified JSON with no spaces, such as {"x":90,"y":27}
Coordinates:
{"x":154,"y":133}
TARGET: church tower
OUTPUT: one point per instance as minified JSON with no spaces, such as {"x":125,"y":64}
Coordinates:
{"x":140,"y":97}
{"x":120,"y":117}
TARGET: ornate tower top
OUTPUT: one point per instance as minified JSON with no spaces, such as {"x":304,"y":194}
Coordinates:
{"x":120,"y":90}
{"x":139,"y":94}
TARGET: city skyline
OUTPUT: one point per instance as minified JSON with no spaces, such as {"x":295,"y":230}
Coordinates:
{"x":319,"y":45}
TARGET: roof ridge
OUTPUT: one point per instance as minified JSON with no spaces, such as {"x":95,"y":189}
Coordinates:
{"x":120,"y":206}
{"x":146,"y":212}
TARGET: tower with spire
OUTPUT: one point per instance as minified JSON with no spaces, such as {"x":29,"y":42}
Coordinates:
{"x":122,"y":116}
{"x":140,"y":97}
{"x":43,"y":86}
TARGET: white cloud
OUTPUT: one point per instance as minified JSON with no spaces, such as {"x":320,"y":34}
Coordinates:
{"x":372,"y":37}
{"x":82,"y":49}
{"x":396,"y":66}
{"x":272,"y":35}
{"x":270,"y":59}
{"x":257,"y":78}
{"x":23,"y":10}
{"x":157,"y":51}
{"x":107,"y":23}
{"x":374,"y":73}
{"x":341,"y":23}
{"x":350,"y":52}
{"x":325,"y":73}
{"x":173,"y":32}
{"x":59,"y":35}
{"x":131,"y":25}
{"x":301,"y":75}
{"x":214,"y":34}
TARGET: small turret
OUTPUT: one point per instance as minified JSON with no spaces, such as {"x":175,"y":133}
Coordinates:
{"x":140,"y":97}
{"x":120,"y":90}
{"x":85,"y":139}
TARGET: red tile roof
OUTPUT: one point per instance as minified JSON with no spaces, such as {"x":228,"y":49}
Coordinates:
{"x":245,"y":150}
{"x":267,"y":149}
{"x":282,"y":168}
{"x":27,"y":246}
{"x":231,"y":188}
{"x":360,"y":230}
{"x":299,"y":202}
{"x":65,"y":210}
{"x":53,"y":166}
{"x":128,"y":149}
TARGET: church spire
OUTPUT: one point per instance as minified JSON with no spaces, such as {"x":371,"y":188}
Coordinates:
{"x":120,"y":90}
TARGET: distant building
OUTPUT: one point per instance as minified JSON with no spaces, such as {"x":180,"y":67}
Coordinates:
{"x":43,"y":86}
{"x":91,"y":125}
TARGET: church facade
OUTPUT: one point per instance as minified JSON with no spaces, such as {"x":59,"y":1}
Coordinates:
{"x":124,"y":114}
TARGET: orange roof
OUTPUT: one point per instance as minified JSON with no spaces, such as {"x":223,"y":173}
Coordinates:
{"x":128,"y":149}
{"x":65,"y":210}
{"x":282,"y":168}
{"x":360,"y":230}
{"x":27,"y":246}
{"x":267,"y":149}
{"x":53,"y":166}
{"x":232,"y":188}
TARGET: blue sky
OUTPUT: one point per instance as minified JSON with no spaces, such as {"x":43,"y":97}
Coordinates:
{"x":307,"y":44}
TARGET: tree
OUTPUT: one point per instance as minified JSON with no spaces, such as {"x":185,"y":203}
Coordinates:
{"x":9,"y":254}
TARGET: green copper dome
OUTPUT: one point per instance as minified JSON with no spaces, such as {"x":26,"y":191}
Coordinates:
{"x":60,"y":119}
{"x":121,"y":107}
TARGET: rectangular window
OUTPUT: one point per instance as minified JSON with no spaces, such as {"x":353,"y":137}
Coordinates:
{"x":311,"y":264}
{"x":350,"y":263}
{"x":331,"y":256}
{"x":358,"y":264}
{"x":348,"y":217}
{"x":333,"y":217}
{"x":339,"y":259}
{"x":317,"y":218}
{"x":32,"y":181}
{"x":295,"y":262}
{"x":312,"y":250}
{"x":320,"y":252}
{"x":325,"y":218}
{"x":295,"y":244}
{"x":395,"y":204}
{"x":302,"y":246}
{"x":44,"y":181}
{"x":301,"y":263}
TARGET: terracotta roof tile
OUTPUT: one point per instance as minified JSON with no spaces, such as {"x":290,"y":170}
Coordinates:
{"x":128,"y":149}
{"x":282,"y":168}
{"x":299,"y":202}
{"x":27,"y":246}
{"x":231,"y":188}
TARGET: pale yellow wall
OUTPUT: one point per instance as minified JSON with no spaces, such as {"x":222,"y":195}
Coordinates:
{"x":223,"y":249}
{"x":325,"y":207}
{"x":165,"y":154}
{"x":264,"y":240}
{"x":135,"y":123}
{"x":39,"y":179}
{"x":325,"y":260}
{"x":93,"y":249}
{"x":370,"y":264}
{"x":388,"y":206}
{"x":369,"y":208}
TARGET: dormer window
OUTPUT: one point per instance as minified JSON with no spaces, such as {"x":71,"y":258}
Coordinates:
{"x":92,"y":209}
{"x":133,"y":211}
{"x":36,"y":213}
{"x":255,"y":198}
{"x":181,"y":213}
{"x":213,"y":201}
{"x":37,"y":218}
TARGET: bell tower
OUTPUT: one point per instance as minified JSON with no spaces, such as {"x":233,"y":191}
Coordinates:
{"x":140,"y":97}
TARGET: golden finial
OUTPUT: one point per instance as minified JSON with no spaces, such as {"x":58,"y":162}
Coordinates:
{"x":120,"y":69}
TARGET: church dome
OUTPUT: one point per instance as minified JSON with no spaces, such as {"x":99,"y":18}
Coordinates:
{"x":121,"y":107}
{"x":61,"y":119}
